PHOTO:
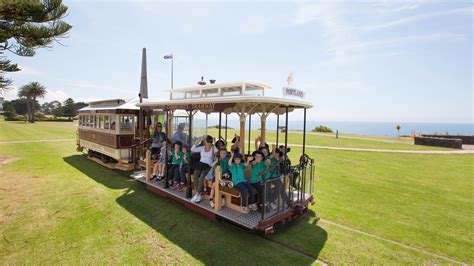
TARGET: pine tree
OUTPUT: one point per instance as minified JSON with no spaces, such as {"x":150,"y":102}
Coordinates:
{"x":27,"y":25}
{"x":69,"y":109}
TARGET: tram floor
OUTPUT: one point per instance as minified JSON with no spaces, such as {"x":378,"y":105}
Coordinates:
{"x":248,"y":220}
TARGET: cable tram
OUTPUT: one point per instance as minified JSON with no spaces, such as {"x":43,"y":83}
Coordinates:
{"x":107,"y":130}
{"x":281,"y":199}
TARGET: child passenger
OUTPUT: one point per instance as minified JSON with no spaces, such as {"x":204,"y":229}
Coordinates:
{"x":237,"y":169}
{"x":159,"y":168}
{"x":180,"y":173}
{"x":223,"y":162}
{"x":258,"y":166}
{"x":176,"y":161}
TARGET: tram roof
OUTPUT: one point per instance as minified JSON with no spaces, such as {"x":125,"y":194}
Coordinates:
{"x":254,"y":84}
{"x":113,"y":104}
{"x":229,"y":104}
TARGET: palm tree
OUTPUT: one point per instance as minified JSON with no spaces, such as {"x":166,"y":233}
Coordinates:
{"x":31,"y":92}
{"x":24,"y":93}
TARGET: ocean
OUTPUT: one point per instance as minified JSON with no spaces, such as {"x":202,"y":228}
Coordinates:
{"x":362,"y":128}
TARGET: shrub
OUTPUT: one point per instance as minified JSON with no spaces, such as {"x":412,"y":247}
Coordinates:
{"x":322,"y":128}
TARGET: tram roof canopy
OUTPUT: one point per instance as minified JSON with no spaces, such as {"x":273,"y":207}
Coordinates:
{"x":113,"y":104}
{"x":246,"y":97}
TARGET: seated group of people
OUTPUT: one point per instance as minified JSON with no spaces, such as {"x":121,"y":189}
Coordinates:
{"x":247,"y":174}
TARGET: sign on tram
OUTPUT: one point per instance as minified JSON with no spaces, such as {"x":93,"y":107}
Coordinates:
{"x":292,"y":92}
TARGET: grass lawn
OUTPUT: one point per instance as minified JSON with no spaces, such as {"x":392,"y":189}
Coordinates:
{"x":58,"y":207}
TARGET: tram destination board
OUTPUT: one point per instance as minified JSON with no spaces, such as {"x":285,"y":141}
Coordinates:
{"x":287,"y":91}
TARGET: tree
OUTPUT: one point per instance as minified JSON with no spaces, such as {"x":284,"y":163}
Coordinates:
{"x":24,"y":93}
{"x":69,"y":109}
{"x":57,"y":109}
{"x":398,"y":131}
{"x":26,"y":26}
{"x":31,"y":92}
{"x":79,"y":105}
{"x":10,"y":112}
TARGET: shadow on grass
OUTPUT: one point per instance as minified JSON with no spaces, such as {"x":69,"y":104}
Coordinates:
{"x":205,"y":240}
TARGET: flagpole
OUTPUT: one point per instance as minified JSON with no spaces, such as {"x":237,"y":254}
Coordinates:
{"x":172,"y":59}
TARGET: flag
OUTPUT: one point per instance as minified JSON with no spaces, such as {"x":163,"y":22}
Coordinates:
{"x":144,"y":80}
{"x":170,"y":56}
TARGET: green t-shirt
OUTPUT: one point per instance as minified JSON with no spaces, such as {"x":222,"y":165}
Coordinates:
{"x":276,"y":169}
{"x":237,"y":173}
{"x":224,"y":164}
{"x":257,"y":168}
{"x":180,"y":157}
{"x":188,"y":157}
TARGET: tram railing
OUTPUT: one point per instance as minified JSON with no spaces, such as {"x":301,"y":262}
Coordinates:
{"x":292,"y":189}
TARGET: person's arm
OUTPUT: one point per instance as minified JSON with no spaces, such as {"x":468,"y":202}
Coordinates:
{"x":257,"y":142}
{"x":231,"y":158}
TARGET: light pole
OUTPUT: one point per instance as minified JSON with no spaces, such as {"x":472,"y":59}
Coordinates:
{"x":170,"y":56}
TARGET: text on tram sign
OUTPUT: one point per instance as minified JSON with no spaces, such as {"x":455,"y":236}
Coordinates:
{"x":287,"y":91}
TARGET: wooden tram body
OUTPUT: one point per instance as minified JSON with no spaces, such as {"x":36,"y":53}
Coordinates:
{"x":107,"y":130}
{"x":294,"y":188}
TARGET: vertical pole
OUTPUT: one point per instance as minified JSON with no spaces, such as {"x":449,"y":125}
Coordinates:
{"x":148,"y":166}
{"x":226,"y":128}
{"x":217,"y":189}
{"x":140,"y":127}
{"x":278,"y":129}
{"x":242,"y":133}
{"x":189,"y":190}
{"x":167,"y":185}
{"x":250,"y":132}
{"x":220,"y":121}
{"x":172,"y":61}
{"x":304,"y":130}
{"x":263,"y":127}
{"x":286,"y":174}
{"x":206,"y":122}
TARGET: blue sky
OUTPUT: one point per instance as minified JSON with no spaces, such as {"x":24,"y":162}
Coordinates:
{"x":357,"y":61}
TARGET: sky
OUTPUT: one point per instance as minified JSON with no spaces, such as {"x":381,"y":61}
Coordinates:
{"x":357,"y":61}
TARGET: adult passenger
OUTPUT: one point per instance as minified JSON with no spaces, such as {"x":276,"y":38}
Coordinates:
{"x":207,"y":152}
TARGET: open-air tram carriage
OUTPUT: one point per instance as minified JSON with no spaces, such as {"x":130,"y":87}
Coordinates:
{"x":126,"y":147}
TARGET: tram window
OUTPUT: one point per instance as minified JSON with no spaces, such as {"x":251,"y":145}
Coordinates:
{"x":255,"y":91}
{"x":210,"y":93}
{"x":80,"y":120}
{"x":193,"y":94}
{"x":231,"y":91}
{"x":177,"y":95}
{"x":106,"y":122}
{"x":86,"y":120}
{"x":126,"y":122}
{"x":91,"y":121}
{"x":101,"y":121}
{"x":112,"y":122}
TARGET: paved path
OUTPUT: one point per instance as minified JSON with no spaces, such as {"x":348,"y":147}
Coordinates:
{"x":354,"y":137}
{"x":384,"y":150}
{"x":292,"y":145}
{"x":32,"y":141}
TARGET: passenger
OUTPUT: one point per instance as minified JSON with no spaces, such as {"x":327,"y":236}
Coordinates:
{"x":179,"y":135}
{"x":157,"y":138}
{"x":258,"y":166}
{"x":221,"y":144}
{"x":274,"y":178}
{"x":235,"y":144}
{"x":183,"y":169}
{"x":223,"y":162}
{"x":176,"y":162}
{"x":237,"y":169}
{"x":259,"y":144}
{"x":207,"y":153}
{"x":159,"y":168}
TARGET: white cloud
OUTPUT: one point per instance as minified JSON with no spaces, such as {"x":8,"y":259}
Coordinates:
{"x":415,"y":18}
{"x":51,"y":95}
